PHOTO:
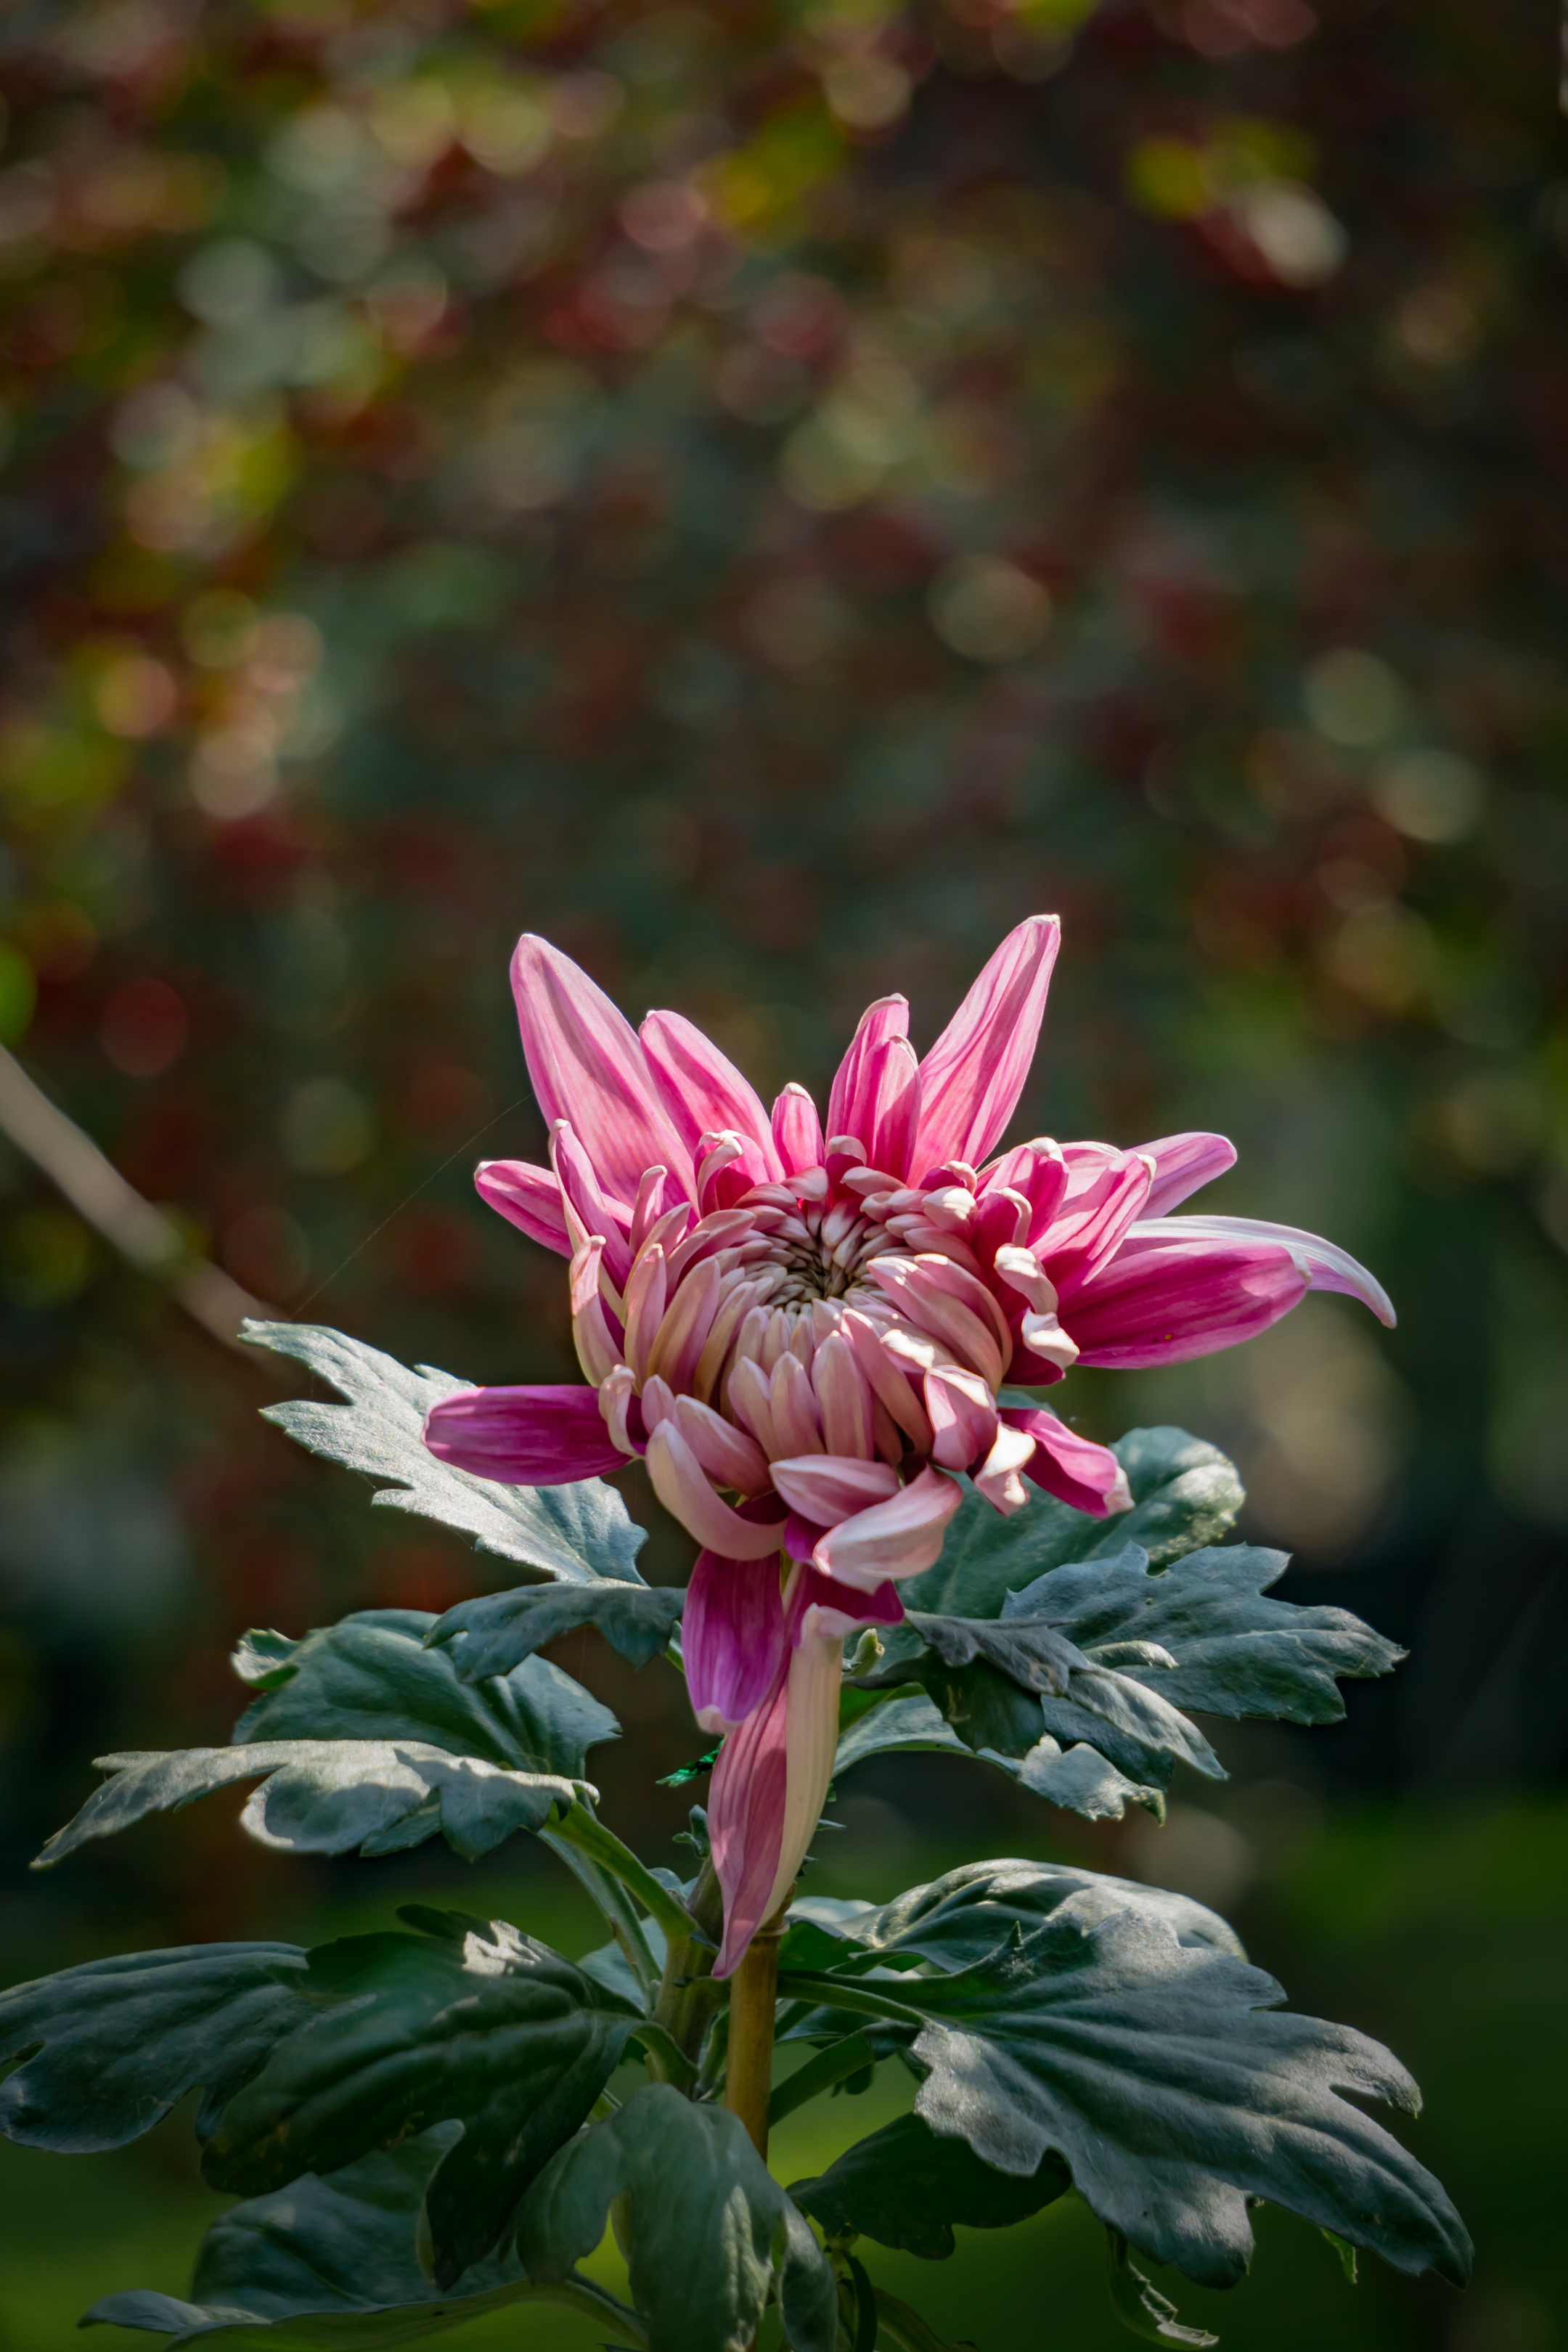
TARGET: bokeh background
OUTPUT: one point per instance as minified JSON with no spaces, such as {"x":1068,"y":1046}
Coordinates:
{"x":768,"y":495}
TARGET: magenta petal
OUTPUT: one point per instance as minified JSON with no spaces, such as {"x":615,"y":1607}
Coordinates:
{"x":798,"y":1131}
{"x":732,"y":1637}
{"x":528,"y":1197}
{"x":702,"y":1090}
{"x":1107,"y":1191}
{"x":852,"y":1106}
{"x":600,"y":1216}
{"x":1073,"y":1468}
{"x":746,"y":1802}
{"x":1183,"y":1164}
{"x":973,"y":1075}
{"x":1163,"y":1302}
{"x":524,"y":1437}
{"x":1324,"y":1264}
{"x":841,"y":1608}
{"x":587,"y":1067}
{"x":801,"y":1537}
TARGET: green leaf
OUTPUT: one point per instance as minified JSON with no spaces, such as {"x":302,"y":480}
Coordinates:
{"x":970,"y":1912}
{"x":371,"y":1678}
{"x":1140,"y":2306}
{"x":1078,"y":1777}
{"x":470,"y":2020}
{"x":332,"y":2262}
{"x":1176,"y":2090}
{"x":1185,"y":1493}
{"x":578,"y":1532}
{"x":704,"y":2226}
{"x":1346,"y":2253}
{"x":328,"y":1796}
{"x":494,"y":1632}
{"x":107,"y":2049}
{"x":1236,"y":1652}
{"x":906,"y":2188}
{"x":905,"y":2329}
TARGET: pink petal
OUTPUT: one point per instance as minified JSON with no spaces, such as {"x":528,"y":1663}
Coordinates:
{"x":528,"y":1197}
{"x":843,"y":1398}
{"x":648,"y":1288}
{"x":726,"y":1452}
{"x":891,"y":1387}
{"x":886,"y":1099}
{"x":1038,"y":1173}
{"x":771,"y":1780}
{"x":1324,"y":1264}
{"x":1163,"y":1302}
{"x":584,"y":1195}
{"x":828,"y":1488}
{"x":899,"y":1538}
{"x":702,"y":1088}
{"x":796,"y":1131}
{"x":852,"y":1106}
{"x":523,"y":1437}
{"x":683,"y":1333}
{"x":941,"y":1299}
{"x":1106,"y":1190}
{"x":1183,"y":1165}
{"x":732,"y":1637}
{"x":587,"y":1067}
{"x":792,"y":1402}
{"x":838,"y":1608}
{"x":681,"y":1486}
{"x":998,"y":1478}
{"x":972,"y":1078}
{"x":1073,"y":1468}
{"x":963,"y":1416}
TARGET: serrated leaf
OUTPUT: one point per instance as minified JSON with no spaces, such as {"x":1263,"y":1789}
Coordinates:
{"x":1237,"y":1651}
{"x":1138,"y":2306}
{"x":473,"y":2022}
{"x":492,"y":1634}
{"x":969,"y":1912}
{"x":1185,"y":1493}
{"x":906,"y":2188}
{"x":107,"y":2049}
{"x":704,"y":2226}
{"x":326,"y":1796}
{"x":330,"y":2262}
{"x":1078,"y":1777}
{"x":1175,"y":2088}
{"x":579,"y":1532}
{"x":371,"y":1677}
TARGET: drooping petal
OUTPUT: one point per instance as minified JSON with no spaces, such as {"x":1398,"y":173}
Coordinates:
{"x":972,"y":1078}
{"x":828,"y":1488}
{"x":796,"y":1131}
{"x":732,"y":1637}
{"x":852,"y":1106}
{"x":941,"y":1298}
{"x":839,"y":1609}
{"x":1162,"y":1301}
{"x":1183,"y":1164}
{"x":681,"y":1486}
{"x":1324,"y":1264}
{"x":1071,"y":1467}
{"x":524,"y":1437}
{"x":528,"y":1197}
{"x":899,"y":1538}
{"x":703,"y":1091}
{"x":963,"y":1416}
{"x":598,"y":1213}
{"x":586,"y":1066}
{"x":999,"y":1477}
{"x":891,"y":1387}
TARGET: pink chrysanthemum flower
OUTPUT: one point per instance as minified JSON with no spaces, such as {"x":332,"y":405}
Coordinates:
{"x":806,"y":1332}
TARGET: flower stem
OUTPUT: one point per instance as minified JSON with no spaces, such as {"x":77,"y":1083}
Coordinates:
{"x":753,"y":2002}
{"x":688,"y":1995}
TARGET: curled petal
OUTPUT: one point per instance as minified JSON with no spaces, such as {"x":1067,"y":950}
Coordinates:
{"x":940,"y":1297}
{"x":702,"y":1090}
{"x":1042,"y":1340}
{"x":972,"y":1078}
{"x":586,"y":1066}
{"x":682,"y":1333}
{"x":733,"y":1638}
{"x":843,"y":1398}
{"x":796,"y":1131}
{"x":681,"y":1486}
{"x":828,"y":1488}
{"x":726,"y":1452}
{"x":591,"y":1334}
{"x":895,"y":1538}
{"x":838,"y":1608}
{"x":621,"y":1413}
{"x":891,"y":1387}
{"x":1073,"y":1468}
{"x":852,"y":1104}
{"x":646,"y":1289}
{"x":585,"y":1197}
{"x":1183,"y":1164}
{"x":1162,"y":1301}
{"x":750,"y":1397}
{"x":963,"y":1416}
{"x":528,"y":1197}
{"x":998,"y":1478}
{"x":524,"y":1437}
{"x":1107,"y":1190}
{"x":1324,"y":1264}
{"x":1021,"y":1270}
{"x":1038,"y":1173}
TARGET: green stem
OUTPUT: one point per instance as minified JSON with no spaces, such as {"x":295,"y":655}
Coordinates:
{"x":753,"y":2005}
{"x":613,"y":1902}
{"x":581,"y":1827}
{"x":687,"y":1996}
{"x":905,"y":2327}
{"x":839,"y":2060}
{"x":839,"y":1992}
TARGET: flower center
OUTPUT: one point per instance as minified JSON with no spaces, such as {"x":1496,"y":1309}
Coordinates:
{"x":822,"y":1254}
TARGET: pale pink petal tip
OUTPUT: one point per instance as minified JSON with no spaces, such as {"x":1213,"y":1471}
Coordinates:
{"x":1324,"y":1264}
{"x":682,"y":1487}
{"x":896,"y":1538}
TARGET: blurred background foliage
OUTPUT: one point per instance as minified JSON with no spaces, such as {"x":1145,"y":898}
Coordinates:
{"x":768,"y":495}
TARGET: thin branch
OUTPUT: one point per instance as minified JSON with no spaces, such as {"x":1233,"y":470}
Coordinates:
{"x":820,"y":2072}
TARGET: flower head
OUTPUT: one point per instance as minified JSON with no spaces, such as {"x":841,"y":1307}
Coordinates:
{"x":807,"y":1328}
